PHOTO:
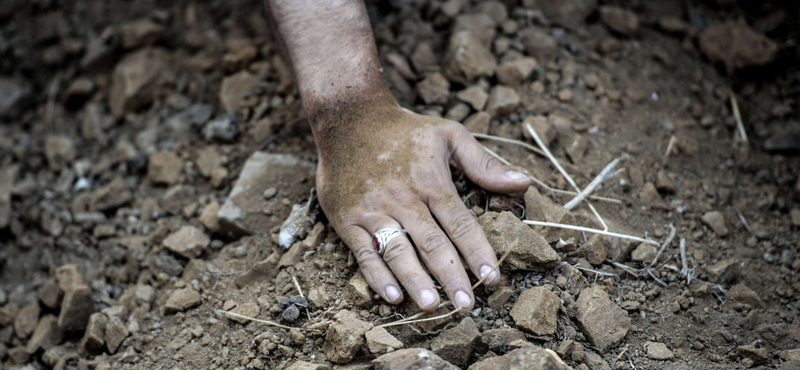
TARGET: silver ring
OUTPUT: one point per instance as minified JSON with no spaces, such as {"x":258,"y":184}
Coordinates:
{"x":383,"y":237}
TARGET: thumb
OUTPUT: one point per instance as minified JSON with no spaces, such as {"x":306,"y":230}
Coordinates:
{"x":483,"y":168}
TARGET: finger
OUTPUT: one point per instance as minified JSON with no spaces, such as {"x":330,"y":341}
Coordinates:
{"x":466,"y":234}
{"x":372,"y":267}
{"x":401,"y":258}
{"x":481,"y":167}
{"x":439,"y":254}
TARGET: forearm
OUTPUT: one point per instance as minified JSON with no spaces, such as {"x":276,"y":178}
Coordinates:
{"x":331,"y":50}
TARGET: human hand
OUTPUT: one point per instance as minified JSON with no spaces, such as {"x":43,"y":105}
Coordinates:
{"x":385,"y":167}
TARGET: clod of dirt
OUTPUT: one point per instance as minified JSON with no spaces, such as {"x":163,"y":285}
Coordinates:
{"x":182,"y":300}
{"x":345,"y":337}
{"x":649,"y":197}
{"x":412,"y":358}
{"x":134,"y":79}
{"x":570,"y":14}
{"x":716,"y":221}
{"x":602,"y":322}
{"x":536,"y":311}
{"x":619,"y":20}
{"x":434,"y":89}
{"x":502,"y":101}
{"x":596,"y":249}
{"x":541,"y":208}
{"x":724,"y":272}
{"x":736,"y":46}
{"x":77,"y":304}
{"x":658,"y":351}
{"x":45,"y":336}
{"x":187,"y":242}
{"x":742,"y":293}
{"x":529,"y":250}
{"x":757,"y":355}
{"x":467,"y":59}
{"x":515,"y":72}
{"x":474,"y":96}
{"x":455,"y":345}
{"x":379,"y":341}
{"x":645,"y":252}
{"x":163,"y":168}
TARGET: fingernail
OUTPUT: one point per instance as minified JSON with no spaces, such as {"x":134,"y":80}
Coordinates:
{"x":463,"y":299}
{"x":516,"y":176}
{"x":427,"y":297}
{"x":392,"y":293}
{"x":492,"y":274}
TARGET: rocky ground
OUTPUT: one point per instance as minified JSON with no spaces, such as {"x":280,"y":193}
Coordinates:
{"x":156,"y":169}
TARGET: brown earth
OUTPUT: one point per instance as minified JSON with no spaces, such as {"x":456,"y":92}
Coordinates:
{"x":130,"y":214}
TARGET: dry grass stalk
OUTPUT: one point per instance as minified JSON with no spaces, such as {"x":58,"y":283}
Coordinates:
{"x":602,"y":176}
{"x":510,"y":141}
{"x":590,"y":230}
{"x":670,"y":146}
{"x":248,"y":318}
{"x":684,"y":265}
{"x":563,"y":172}
{"x":738,"y":116}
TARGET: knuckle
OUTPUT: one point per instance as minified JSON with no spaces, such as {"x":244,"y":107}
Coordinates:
{"x":364,"y":254}
{"x":461,"y":226}
{"x":395,"y":253}
{"x":433,"y":243}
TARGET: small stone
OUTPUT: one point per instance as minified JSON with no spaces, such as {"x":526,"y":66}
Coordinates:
{"x":479,"y":24}
{"x":664,"y":183}
{"x":541,"y":208}
{"x":434,"y":89}
{"x":60,"y":152}
{"x":596,"y":249}
{"x":795,"y":215}
{"x":619,"y":20}
{"x":467,"y":59}
{"x":238,"y":57}
{"x":93,"y":338}
{"x":515,"y":72}
{"x":412,"y":358}
{"x":182,"y":300}
{"x":8,"y":313}
{"x":602,"y":322}
{"x":141,"y":32}
{"x":379,"y":341}
{"x":423,"y":58}
{"x":261,"y":271}
{"x":757,"y":355}
{"x":209,"y":216}
{"x":358,"y":290}
{"x":500,"y":297}
{"x":144,"y":294}
{"x":163,"y":168}
{"x":576,"y":146}
{"x":345,"y":337}
{"x":236,"y":89}
{"x":188,"y":242}
{"x":77,"y":305}
{"x":742,"y":293}
{"x":110,"y":196}
{"x":208,"y":159}
{"x":319,"y":298}
{"x":18,"y":355}
{"x":26,"y":320}
{"x":539,"y":44}
{"x":529,"y":250}
{"x":290,"y":313}
{"x":716,"y":221}
{"x":565,"y":95}
{"x":474,"y":96}
{"x":736,"y":46}
{"x":570,"y":14}
{"x":270,"y":193}
{"x":134,"y":80}
{"x":645,"y":252}
{"x":45,"y":336}
{"x":455,"y":345}
{"x":457,"y":112}
{"x":249,"y":309}
{"x":543,"y":128}
{"x":497,"y":340}
{"x":536,"y":311}
{"x":649,"y":196}
{"x":302,"y":365}
{"x":222,"y":129}
{"x":658,"y":351}
{"x":478,"y":123}
{"x":724,"y":271}
{"x":14,"y":97}
{"x":502,"y":101}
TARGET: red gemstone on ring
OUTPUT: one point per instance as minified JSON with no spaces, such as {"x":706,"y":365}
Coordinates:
{"x":376,"y":243}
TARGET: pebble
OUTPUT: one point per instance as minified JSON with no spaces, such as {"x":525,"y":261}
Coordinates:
{"x":543,"y":128}
{"x":649,"y":196}
{"x":26,"y":320}
{"x":345,"y":337}
{"x":77,"y":305}
{"x":516,"y":71}
{"x":480,"y":25}
{"x":163,"y":168}
{"x":60,"y":151}
{"x":497,"y":340}
{"x":576,"y":146}
{"x":716,"y":221}
{"x":134,"y":78}
{"x":742,"y":293}
{"x":303,"y":365}
{"x":757,"y":355}
{"x":222,"y":129}
{"x":478,"y":123}
{"x":116,"y":332}
{"x":15,"y":96}
{"x":187,"y":242}
{"x":500,"y":297}
{"x":249,"y":309}
{"x":724,"y":271}
{"x":475,"y":96}
{"x":423,"y":59}
{"x":602,"y":322}
{"x":530,"y":250}
{"x":140,"y":32}
{"x":455,"y":345}
{"x":94,"y":337}
{"x":434,"y":89}
{"x":236,"y":89}
{"x":736,"y":45}
{"x":502,"y":101}
{"x":539,"y":44}
{"x":596,"y":249}
{"x":379,"y":341}
{"x":645,"y":253}
{"x":412,"y":358}
{"x":527,"y":356}
{"x":619,"y":20}
{"x":208,"y":217}
{"x":467,"y":59}
{"x":536,"y":311}
{"x":358,"y":290}
{"x":457,"y":112}
{"x":663,"y":183}
{"x":182,"y":300}
{"x":658,"y":351}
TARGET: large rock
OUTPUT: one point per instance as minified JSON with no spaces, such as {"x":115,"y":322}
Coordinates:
{"x":602,"y":322}
{"x":536,"y":311}
{"x":619,"y":20}
{"x":529,"y":250}
{"x":467,"y":59}
{"x":345,"y":337}
{"x":188,"y":242}
{"x":455,"y":345}
{"x":77,"y":304}
{"x":243,"y":211}
{"x":567,"y":13}
{"x":736,"y":46}
{"x":412,"y":358}
{"x":135,"y":79}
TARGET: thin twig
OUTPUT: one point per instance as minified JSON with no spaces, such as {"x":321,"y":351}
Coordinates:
{"x":657,"y":280}
{"x":685,"y":269}
{"x":670,"y":146}
{"x":562,"y":171}
{"x":589,"y":230}
{"x":299,"y":290}
{"x":510,"y":141}
{"x":744,"y":221}
{"x":738,"y":116}
{"x":665,"y":245}
{"x":451,"y":313}
{"x":271,"y":323}
{"x":598,"y":272}
{"x":602,"y":176}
